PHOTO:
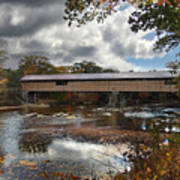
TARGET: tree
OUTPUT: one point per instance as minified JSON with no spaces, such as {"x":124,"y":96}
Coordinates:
{"x":161,"y":15}
{"x":82,"y":11}
{"x":3,"y":57}
{"x":86,"y":67}
{"x":36,"y":65}
{"x":13,"y":77}
{"x":63,"y":69}
{"x":174,"y":66}
{"x":89,"y":67}
{"x":108,"y":70}
{"x":164,"y":18}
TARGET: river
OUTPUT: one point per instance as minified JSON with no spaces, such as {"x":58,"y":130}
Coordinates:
{"x":83,"y":141}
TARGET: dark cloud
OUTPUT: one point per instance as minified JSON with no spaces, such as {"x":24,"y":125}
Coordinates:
{"x":82,"y":51}
{"x":108,"y":35}
{"x":123,"y":51}
{"x":36,"y":27}
{"x":67,"y":53}
{"x":14,"y":59}
{"x":62,"y":57}
{"x":34,"y":20}
{"x":35,"y":45}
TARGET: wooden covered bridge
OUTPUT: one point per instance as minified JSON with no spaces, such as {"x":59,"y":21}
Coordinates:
{"x":158,"y":81}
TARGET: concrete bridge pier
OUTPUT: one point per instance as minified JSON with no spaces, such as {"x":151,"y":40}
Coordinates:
{"x":25,"y":95}
{"x":30,"y":97}
{"x":113,"y":99}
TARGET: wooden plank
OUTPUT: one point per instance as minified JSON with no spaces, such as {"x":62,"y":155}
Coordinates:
{"x":102,"y":86}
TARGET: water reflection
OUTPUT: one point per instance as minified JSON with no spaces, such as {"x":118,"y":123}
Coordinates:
{"x":99,"y":157}
{"x":12,"y":122}
{"x":21,"y":147}
{"x":143,"y":126}
{"x":34,"y":143}
{"x":37,"y":138}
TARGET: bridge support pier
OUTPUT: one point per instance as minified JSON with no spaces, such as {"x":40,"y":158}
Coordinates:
{"x":113,"y":99}
{"x":69,"y":102}
{"x":25,"y":96}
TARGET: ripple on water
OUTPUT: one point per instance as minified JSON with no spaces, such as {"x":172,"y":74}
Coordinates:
{"x":89,"y":156}
{"x":10,"y":137}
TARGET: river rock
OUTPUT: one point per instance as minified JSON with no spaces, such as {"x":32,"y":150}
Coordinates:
{"x":114,"y":109}
{"x":72,"y":117}
{"x":65,"y":115}
{"x":100,"y":109}
{"x":40,"y":116}
{"x":106,"y":114}
{"x":60,"y":114}
{"x":34,"y":114}
{"x":171,"y":110}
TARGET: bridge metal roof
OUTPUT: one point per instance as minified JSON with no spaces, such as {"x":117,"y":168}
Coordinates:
{"x":102,"y":76}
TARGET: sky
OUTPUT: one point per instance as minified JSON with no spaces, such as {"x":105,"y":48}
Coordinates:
{"x":37,"y":27}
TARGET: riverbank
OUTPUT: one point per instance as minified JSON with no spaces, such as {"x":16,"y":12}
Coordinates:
{"x":10,"y":108}
{"x":21,"y":107}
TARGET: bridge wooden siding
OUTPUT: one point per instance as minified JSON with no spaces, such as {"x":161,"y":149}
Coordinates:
{"x":157,"y":84}
{"x":101,"y":86}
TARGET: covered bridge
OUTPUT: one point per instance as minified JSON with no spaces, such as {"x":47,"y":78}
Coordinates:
{"x":158,"y":81}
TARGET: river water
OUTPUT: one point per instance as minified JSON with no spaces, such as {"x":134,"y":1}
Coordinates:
{"x":51,"y":144}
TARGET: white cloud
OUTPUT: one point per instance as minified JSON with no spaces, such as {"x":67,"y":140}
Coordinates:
{"x":109,"y":44}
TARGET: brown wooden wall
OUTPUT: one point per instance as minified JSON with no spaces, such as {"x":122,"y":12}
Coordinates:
{"x":102,"y":86}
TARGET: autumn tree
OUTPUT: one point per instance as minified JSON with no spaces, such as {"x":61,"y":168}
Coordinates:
{"x":163,"y":16}
{"x":36,"y":65}
{"x":13,"y":77}
{"x":64,"y":69}
{"x":3,"y":58}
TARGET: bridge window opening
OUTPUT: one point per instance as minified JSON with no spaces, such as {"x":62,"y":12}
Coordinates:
{"x":61,"y":83}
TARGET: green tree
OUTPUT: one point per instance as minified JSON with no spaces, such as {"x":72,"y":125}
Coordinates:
{"x":86,"y":67}
{"x":3,"y":58}
{"x":83,"y":11}
{"x":89,"y":67}
{"x":36,"y":65}
{"x":13,"y":77}
{"x":174,"y":66}
{"x":163,"y":18}
{"x":109,"y":70}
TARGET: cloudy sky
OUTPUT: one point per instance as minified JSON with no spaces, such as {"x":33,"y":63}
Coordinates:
{"x":37,"y":27}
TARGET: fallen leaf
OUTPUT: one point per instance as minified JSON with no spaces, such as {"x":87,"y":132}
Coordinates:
{"x":59,"y":174}
{"x":1,"y":172}
{"x":26,"y":163}
{"x":1,"y":160}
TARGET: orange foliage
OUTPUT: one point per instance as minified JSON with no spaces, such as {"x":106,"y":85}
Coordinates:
{"x":26,"y":163}
{"x":62,"y":69}
{"x":164,"y":164}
